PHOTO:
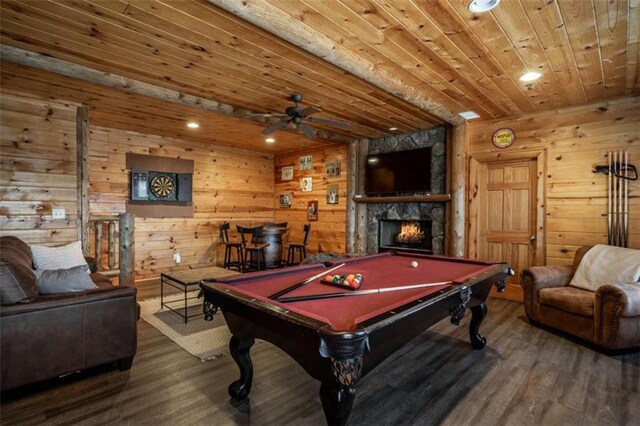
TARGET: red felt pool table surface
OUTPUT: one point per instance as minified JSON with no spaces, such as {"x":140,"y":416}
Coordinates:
{"x":379,"y":271}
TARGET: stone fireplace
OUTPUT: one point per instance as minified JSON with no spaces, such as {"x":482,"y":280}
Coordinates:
{"x":430,"y":215}
{"x":414,"y":235}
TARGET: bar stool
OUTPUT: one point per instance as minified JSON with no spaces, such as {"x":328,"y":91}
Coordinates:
{"x":253,"y":246}
{"x":229,"y":248}
{"x":300,"y":248}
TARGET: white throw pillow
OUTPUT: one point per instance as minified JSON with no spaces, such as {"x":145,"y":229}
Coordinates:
{"x":61,"y":257}
{"x":604,"y":264}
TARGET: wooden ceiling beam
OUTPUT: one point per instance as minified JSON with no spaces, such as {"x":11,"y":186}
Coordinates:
{"x":84,"y":73}
{"x":304,"y":36}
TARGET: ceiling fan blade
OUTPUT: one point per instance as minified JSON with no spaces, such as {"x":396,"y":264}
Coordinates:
{"x":309,"y":110}
{"x":334,"y":123}
{"x":267,"y":115}
{"x":275,"y":126}
{"x":308,"y":131}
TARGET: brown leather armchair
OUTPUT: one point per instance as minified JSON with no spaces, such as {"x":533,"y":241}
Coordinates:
{"x":608,"y":318}
{"x":46,"y":336}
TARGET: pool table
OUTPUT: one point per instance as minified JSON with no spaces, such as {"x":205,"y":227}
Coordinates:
{"x":337,"y":340}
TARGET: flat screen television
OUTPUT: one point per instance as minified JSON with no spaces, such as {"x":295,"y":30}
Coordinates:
{"x":400,"y":172}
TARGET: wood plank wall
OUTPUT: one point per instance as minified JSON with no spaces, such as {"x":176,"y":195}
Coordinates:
{"x":229,"y":184}
{"x":37,"y":169}
{"x":575,"y":139}
{"x":328,"y":234}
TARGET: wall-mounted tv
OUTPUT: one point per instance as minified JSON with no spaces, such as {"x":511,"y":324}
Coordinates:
{"x":400,"y":172}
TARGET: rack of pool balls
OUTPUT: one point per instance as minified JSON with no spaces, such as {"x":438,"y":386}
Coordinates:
{"x":350,"y":281}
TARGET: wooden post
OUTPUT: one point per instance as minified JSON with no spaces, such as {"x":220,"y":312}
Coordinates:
{"x":352,"y":167}
{"x":459,"y":157}
{"x":361,"y":209}
{"x":127,"y":258}
{"x":98,"y":254}
{"x":112,"y":244}
{"x":82,"y":175}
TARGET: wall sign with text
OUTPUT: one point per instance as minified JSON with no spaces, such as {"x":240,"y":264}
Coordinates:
{"x":503,"y":138}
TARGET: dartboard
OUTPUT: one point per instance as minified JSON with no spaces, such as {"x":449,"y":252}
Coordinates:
{"x":162,"y":186}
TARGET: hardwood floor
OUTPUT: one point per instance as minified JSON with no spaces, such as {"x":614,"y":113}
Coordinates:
{"x":525,"y":375}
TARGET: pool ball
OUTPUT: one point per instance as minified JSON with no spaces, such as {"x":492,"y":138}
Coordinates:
{"x":414,"y":264}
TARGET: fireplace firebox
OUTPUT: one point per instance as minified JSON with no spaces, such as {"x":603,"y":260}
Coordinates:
{"x":413,"y":235}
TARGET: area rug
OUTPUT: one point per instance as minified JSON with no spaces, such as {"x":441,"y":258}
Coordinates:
{"x":203,"y":339}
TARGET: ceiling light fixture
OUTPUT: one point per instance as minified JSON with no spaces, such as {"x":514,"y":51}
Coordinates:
{"x":479,"y":6}
{"x":193,"y":125}
{"x":393,"y":128}
{"x":530,"y":76}
{"x":468,"y":115}
{"x":269,"y":140}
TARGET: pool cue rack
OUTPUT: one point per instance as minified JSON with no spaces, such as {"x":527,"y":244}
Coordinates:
{"x":619,"y":172}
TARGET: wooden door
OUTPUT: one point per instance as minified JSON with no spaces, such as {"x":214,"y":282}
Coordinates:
{"x":506,"y":217}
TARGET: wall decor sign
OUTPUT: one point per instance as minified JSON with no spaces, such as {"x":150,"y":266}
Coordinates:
{"x":312,"y":211}
{"x":333,"y":169}
{"x":503,"y":138}
{"x":332,"y":193}
{"x":285,"y":200}
{"x":306,"y":184}
{"x":306,"y":162}
{"x":287,"y":173}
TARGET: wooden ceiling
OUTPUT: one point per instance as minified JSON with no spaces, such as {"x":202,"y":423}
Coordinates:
{"x":129,"y":111}
{"x":436,"y":50}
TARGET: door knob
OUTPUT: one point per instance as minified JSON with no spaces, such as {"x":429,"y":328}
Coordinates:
{"x":532,"y":238}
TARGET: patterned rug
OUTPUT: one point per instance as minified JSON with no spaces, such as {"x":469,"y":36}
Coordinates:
{"x":203,"y":339}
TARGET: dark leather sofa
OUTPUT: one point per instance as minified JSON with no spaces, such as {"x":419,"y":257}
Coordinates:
{"x":43,"y":337}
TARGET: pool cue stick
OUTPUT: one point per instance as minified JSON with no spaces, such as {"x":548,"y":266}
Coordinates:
{"x":619,"y":183}
{"x":359,"y":292}
{"x":621,"y":205}
{"x":626,"y":199}
{"x":300,"y":284}
{"x":615,"y":201}
{"x":609,"y":235}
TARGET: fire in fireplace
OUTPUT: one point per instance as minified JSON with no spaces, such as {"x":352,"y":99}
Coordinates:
{"x":410,"y":233}
{"x":405,"y":234}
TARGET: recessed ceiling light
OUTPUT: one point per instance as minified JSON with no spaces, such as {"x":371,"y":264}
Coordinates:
{"x":530,"y":76}
{"x":479,"y":6}
{"x":393,"y":128}
{"x":193,"y":125}
{"x":269,"y":140}
{"x":469,"y":115}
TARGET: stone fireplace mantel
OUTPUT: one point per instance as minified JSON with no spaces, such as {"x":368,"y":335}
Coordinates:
{"x":432,"y":198}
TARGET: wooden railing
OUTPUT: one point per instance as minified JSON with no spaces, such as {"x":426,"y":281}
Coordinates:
{"x":119,"y":233}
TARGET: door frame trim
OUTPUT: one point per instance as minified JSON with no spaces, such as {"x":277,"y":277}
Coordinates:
{"x":541,"y":200}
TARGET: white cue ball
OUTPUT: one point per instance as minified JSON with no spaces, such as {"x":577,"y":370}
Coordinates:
{"x":414,"y":264}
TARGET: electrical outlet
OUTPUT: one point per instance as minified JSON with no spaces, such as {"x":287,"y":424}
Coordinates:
{"x":58,"y":214}
{"x":177,"y":258}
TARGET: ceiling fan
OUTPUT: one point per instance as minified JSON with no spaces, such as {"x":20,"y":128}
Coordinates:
{"x":300,"y":116}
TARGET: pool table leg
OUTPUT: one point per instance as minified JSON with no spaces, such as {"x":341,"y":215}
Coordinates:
{"x":337,"y":402}
{"x":478,"y":312}
{"x":239,"y":350}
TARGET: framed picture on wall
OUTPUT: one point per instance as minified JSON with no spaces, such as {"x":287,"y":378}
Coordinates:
{"x":306,"y":184}
{"x":285,"y":200}
{"x":287,"y":173}
{"x":306,"y":162}
{"x":332,"y":193}
{"x":312,"y":211}
{"x":333,"y":169}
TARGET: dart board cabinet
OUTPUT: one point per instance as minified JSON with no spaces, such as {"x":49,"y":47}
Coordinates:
{"x":160,"y":187}
{"x":156,"y":186}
